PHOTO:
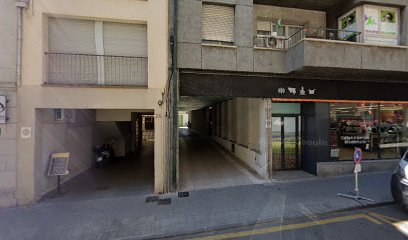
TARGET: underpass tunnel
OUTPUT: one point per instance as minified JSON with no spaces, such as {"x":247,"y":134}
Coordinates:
{"x":79,"y":132}
{"x":222,"y":147}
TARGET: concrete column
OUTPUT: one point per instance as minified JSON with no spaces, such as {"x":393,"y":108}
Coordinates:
{"x":267,"y":137}
{"x":229,"y":119}
{"x":224,"y":112}
{"x":27,"y":183}
{"x":160,"y":172}
{"x":239,"y":119}
{"x":250,"y":124}
{"x":139,"y":130}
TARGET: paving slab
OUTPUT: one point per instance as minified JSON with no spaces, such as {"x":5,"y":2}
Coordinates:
{"x":130,"y":217}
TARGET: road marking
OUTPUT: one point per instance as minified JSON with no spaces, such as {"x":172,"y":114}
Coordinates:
{"x":291,"y":227}
{"x":384,"y":218}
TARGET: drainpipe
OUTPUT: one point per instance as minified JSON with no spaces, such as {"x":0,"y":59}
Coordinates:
{"x":20,"y":4}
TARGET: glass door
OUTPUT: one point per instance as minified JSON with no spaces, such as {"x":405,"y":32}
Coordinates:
{"x":286,"y":142}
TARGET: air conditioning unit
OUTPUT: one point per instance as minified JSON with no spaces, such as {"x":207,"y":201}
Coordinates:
{"x":65,"y":115}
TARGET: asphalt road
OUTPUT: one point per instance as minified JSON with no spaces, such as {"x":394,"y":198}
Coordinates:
{"x":385,"y":222}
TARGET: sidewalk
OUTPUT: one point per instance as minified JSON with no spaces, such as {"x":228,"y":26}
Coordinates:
{"x":129,"y":217}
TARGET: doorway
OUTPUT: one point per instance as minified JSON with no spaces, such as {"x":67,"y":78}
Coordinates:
{"x":286,"y":142}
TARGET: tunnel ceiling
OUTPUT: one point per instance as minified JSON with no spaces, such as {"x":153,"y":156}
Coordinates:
{"x":187,"y":103}
{"x":320,"y":5}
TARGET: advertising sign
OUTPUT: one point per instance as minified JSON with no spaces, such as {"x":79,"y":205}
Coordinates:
{"x":371,"y":20}
{"x":389,"y":24}
{"x":3,"y":110}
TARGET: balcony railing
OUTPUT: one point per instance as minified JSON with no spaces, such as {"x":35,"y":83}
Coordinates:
{"x":277,"y":42}
{"x":86,"y":69}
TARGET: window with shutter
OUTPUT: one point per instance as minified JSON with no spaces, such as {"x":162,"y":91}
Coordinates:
{"x":218,"y":23}
{"x":123,"y":39}
{"x":71,"y":36}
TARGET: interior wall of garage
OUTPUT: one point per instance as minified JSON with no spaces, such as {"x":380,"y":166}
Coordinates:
{"x":60,"y":136}
{"x":237,"y":125}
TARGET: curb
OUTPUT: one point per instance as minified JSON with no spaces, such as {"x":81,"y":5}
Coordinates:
{"x":249,"y":223}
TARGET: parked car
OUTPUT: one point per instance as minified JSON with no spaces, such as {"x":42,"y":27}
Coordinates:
{"x":399,"y":182}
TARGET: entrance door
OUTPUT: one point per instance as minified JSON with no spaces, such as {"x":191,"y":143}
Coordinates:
{"x":286,"y":142}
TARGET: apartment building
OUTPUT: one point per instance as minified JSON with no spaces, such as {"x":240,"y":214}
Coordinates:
{"x":91,"y":71}
{"x":297,"y":85}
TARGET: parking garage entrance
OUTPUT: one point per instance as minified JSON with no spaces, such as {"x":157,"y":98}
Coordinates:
{"x":126,"y":135}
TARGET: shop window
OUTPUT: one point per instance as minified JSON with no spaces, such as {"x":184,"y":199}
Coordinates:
{"x":393,"y":130}
{"x":379,"y":130}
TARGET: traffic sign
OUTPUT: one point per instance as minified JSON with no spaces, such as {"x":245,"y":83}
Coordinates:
{"x":358,"y":155}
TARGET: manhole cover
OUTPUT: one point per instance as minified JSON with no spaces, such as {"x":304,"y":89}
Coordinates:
{"x":152,"y":199}
{"x":183,"y":194}
{"x":164,"y":201}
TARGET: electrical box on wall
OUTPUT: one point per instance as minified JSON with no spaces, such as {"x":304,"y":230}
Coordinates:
{"x":3,"y":110}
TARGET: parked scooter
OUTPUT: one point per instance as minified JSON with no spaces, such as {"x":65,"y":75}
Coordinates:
{"x":104,"y":154}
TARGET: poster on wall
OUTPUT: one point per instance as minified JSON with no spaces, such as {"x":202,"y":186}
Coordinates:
{"x":371,"y":20}
{"x":389,"y":25}
{"x":3,"y":109}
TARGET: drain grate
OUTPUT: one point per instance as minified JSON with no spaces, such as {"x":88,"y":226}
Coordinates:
{"x":184,"y":194}
{"x":152,"y":199}
{"x":164,"y":201}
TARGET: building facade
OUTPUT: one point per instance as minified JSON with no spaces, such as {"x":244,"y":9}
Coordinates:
{"x":286,"y":85}
{"x":8,"y":96}
{"x":91,"y":70}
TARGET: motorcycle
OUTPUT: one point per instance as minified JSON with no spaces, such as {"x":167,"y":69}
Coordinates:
{"x":104,"y":154}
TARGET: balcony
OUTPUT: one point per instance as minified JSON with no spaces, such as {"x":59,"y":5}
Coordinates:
{"x":96,"y":70}
{"x":276,"y":42}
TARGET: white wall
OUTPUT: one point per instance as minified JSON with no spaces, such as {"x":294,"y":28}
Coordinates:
{"x":242,"y":122}
{"x":54,"y":136}
{"x":8,"y":151}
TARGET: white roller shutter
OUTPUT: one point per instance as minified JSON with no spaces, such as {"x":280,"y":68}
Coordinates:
{"x":218,"y":23}
{"x":123,"y":39}
{"x":71,"y":36}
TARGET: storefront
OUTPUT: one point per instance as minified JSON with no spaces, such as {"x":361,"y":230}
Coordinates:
{"x":305,"y":133}
{"x":381,"y":130}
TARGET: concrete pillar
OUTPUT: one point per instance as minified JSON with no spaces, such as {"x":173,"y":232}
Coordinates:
{"x":160,"y":172}
{"x":267,"y":137}
{"x":139,"y":130}
{"x":27,"y":184}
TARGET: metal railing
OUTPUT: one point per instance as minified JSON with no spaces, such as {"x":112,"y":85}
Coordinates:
{"x":332,"y":34}
{"x":306,"y":32}
{"x":88,"y":69}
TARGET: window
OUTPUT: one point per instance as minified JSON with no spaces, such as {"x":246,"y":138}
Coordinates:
{"x":267,"y":27}
{"x":218,"y":23}
{"x":381,"y":131}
